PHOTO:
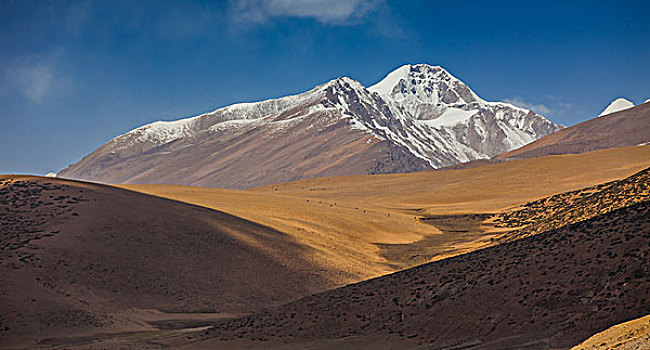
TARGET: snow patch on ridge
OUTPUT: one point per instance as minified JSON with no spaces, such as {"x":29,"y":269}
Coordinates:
{"x":617,"y":105}
{"x":164,"y":131}
{"x":386,"y":85}
{"x":450,"y":117}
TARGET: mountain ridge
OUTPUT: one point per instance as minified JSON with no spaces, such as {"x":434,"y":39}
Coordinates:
{"x":627,"y":127}
{"x":427,"y":119}
{"x":619,"y":104}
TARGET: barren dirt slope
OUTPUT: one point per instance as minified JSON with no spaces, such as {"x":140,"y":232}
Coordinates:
{"x":81,"y":258}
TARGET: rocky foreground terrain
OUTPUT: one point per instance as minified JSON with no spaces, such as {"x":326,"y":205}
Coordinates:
{"x":95,"y":266}
{"x":630,"y":335}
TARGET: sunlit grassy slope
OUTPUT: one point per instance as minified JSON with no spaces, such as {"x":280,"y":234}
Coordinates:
{"x":351,"y":222}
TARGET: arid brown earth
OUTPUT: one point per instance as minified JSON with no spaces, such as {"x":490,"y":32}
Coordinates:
{"x":550,"y":290}
{"x":79,"y":258}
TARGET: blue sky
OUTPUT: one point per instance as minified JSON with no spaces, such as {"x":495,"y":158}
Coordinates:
{"x":76,"y":74}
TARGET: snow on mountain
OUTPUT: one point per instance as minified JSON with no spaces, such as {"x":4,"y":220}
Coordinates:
{"x":616,"y":106}
{"x":453,"y":123}
{"x":237,"y":116}
{"x":424,"y":91}
{"x":417,"y":117}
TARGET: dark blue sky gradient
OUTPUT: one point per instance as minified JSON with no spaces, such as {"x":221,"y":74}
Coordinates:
{"x":77,"y":74}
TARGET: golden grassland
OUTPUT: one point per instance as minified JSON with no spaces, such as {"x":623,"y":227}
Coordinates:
{"x":349,"y":221}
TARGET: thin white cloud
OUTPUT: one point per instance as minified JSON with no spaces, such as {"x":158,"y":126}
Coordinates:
{"x":537,"y":108}
{"x":334,"y":12}
{"x":34,"y":81}
{"x":35,"y":77}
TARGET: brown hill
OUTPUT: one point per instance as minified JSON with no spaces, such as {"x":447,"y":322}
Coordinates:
{"x":79,"y":258}
{"x":549,"y":290}
{"x":629,"y":127}
{"x":489,"y":188}
{"x":584,"y":204}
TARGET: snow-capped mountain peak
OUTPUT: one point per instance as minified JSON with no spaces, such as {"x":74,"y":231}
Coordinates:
{"x":617,"y":105}
{"x":446,"y":111}
{"x":418,"y":117}
{"x":340,"y":81}
{"x":425,"y":91}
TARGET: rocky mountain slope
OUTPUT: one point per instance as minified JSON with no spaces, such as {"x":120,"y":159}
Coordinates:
{"x":626,"y":127}
{"x":419,"y":117}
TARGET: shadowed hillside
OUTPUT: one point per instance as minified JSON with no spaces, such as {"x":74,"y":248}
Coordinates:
{"x":553,"y":289}
{"x":97,"y":266}
{"x":80,"y":257}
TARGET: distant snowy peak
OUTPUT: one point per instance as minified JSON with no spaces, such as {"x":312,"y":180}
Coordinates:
{"x":428,"y":84}
{"x":163,"y":131}
{"x":418,"y":117}
{"x":428,"y":92}
{"x":425,"y":91}
{"x":616,"y":106}
{"x":421,"y":109}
